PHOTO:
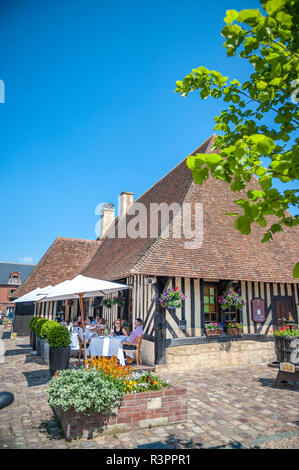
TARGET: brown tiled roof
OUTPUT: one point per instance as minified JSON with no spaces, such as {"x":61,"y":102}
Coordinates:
{"x":65,"y":258}
{"x":225,"y":253}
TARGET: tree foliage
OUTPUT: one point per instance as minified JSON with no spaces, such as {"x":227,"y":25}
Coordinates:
{"x":261,"y":118}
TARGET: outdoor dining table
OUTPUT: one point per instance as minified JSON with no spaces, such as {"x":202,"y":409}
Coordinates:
{"x":108,"y":346}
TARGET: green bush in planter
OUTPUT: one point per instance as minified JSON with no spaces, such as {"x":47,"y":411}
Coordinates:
{"x":32,"y":323}
{"x":38,"y":326}
{"x":59,"y":337}
{"x":86,"y":391}
{"x":47,"y":327}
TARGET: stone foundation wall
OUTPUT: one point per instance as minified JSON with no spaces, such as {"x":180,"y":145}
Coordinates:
{"x":137,"y":411}
{"x":217,"y":354}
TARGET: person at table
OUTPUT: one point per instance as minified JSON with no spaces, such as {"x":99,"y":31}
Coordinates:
{"x":100,"y":327}
{"x":132,"y":340}
{"x":118,"y":329}
{"x":87,"y":334}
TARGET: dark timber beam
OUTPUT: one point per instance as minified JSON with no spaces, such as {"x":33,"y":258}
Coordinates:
{"x":160,"y":321}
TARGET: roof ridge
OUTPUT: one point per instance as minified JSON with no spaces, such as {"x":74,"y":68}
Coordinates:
{"x":76,"y":239}
{"x":14,"y":262}
{"x":182,"y":161}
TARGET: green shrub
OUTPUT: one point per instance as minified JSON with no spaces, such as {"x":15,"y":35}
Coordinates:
{"x":59,"y":337}
{"x":46,"y":327}
{"x":38,"y":326}
{"x":32,"y":323}
{"x":86,"y":391}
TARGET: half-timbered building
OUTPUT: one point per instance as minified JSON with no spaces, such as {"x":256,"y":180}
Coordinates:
{"x":176,"y":339}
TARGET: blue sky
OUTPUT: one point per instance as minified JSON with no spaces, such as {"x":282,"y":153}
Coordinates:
{"x":90,"y":110}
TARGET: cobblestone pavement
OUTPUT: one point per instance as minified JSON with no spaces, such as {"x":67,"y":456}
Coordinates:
{"x":236,"y":407}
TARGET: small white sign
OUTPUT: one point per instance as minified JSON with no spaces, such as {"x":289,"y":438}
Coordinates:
{"x":287,"y":367}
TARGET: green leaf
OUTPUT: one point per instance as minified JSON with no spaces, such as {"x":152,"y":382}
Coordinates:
{"x":249,"y":16}
{"x":231,"y":16}
{"x":243,"y":224}
{"x":296,"y":271}
{"x":264,"y":144}
{"x":273,"y":5}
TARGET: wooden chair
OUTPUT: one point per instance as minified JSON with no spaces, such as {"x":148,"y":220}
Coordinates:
{"x":81,"y":348}
{"x":137,"y":350}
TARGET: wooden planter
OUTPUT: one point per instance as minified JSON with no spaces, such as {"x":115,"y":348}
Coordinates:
{"x":233,"y":331}
{"x":218,"y":332}
{"x":136,"y":411}
{"x":282,"y":348}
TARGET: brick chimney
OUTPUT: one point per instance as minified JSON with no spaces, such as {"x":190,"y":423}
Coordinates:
{"x":125,"y":200}
{"x":107,"y":218}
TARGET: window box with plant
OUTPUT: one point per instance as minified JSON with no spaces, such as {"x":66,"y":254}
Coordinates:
{"x":214,"y":329}
{"x":233,"y":328}
{"x":59,"y":353}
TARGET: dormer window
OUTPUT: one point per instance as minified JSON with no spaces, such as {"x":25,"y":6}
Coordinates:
{"x":15,"y":279}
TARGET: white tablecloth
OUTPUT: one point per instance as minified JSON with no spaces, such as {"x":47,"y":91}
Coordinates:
{"x":106,"y":346}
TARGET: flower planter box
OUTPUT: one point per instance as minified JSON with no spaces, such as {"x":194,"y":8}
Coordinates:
{"x":233,"y":331}
{"x":218,"y":332}
{"x":136,"y":411}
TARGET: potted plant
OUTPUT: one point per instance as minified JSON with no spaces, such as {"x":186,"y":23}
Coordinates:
{"x":46,"y":327}
{"x":214,"y":329}
{"x":231,"y":298}
{"x":283,"y":338}
{"x":38,"y":327}
{"x":172,"y":299}
{"x":120,"y":301}
{"x":233,"y":328}
{"x":107,"y":303}
{"x":32,"y":332}
{"x":59,"y":353}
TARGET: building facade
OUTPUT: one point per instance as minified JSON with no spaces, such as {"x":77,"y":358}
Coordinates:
{"x":176,"y":339}
{"x":12,"y":275}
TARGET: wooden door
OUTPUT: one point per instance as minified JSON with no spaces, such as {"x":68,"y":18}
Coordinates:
{"x":283,"y":310}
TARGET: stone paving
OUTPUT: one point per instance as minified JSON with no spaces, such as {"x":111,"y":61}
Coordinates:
{"x":237,"y":407}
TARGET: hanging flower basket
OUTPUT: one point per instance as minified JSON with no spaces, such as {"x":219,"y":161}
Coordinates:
{"x":230,"y":298}
{"x":107,"y":303}
{"x":120,"y":301}
{"x":172,"y":298}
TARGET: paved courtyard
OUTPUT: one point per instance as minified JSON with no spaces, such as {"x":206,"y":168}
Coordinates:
{"x":236,"y":407}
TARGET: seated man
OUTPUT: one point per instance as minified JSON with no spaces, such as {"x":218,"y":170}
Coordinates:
{"x":87,"y":334}
{"x":132,"y":340}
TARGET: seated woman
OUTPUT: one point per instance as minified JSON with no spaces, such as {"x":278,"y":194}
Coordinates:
{"x":100,"y":327}
{"x":118,"y":329}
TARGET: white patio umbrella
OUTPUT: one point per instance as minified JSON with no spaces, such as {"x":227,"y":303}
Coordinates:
{"x":84,"y":287}
{"x":29,"y":297}
{"x":35,"y":295}
{"x":43,"y":295}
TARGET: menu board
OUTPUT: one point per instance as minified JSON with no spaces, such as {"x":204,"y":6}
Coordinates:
{"x":258,"y":310}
